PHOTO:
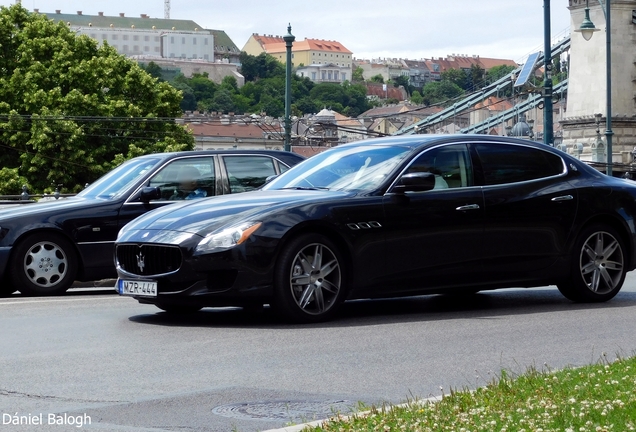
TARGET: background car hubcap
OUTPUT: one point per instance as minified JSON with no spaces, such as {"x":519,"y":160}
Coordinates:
{"x":315,"y":279}
{"x":45,"y":264}
{"x":601,"y":262}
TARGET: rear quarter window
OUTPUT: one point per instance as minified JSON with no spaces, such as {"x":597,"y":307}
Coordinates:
{"x":509,"y":163}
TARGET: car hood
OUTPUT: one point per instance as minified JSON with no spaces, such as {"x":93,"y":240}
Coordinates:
{"x":17,"y":211}
{"x":202,"y":216}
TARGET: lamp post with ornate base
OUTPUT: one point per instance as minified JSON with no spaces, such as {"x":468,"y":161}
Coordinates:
{"x":587,"y":29}
{"x":289,"y":39}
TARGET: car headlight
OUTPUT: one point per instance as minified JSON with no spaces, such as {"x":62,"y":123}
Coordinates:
{"x":227,"y":238}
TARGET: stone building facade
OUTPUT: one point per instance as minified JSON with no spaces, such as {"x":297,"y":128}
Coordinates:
{"x":587,"y":90}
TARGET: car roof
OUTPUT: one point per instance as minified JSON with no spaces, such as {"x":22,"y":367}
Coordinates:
{"x":425,"y":140}
{"x":281,"y":154}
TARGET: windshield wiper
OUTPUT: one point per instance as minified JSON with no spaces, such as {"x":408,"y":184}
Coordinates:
{"x":304,"y":188}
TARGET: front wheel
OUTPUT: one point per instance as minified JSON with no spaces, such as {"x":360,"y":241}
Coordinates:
{"x":309,"y":279}
{"x":43,"y":264}
{"x":598,"y":266}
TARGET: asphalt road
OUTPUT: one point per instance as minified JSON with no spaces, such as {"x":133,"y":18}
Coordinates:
{"x":129,"y":367}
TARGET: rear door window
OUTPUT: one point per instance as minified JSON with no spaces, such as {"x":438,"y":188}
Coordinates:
{"x":509,"y":163}
{"x":246,"y":173}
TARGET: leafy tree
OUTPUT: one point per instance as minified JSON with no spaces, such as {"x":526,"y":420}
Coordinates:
{"x":274,"y":107}
{"x":242,"y":104}
{"x":222,"y":101}
{"x":498,"y":72}
{"x":357,"y":101}
{"x":440,"y":92}
{"x":71,"y":110}
{"x":377,"y":79}
{"x":475,"y":78}
{"x":154,"y":70}
{"x":261,"y":66}
{"x":329,"y":94}
{"x":230,"y":84}
{"x":306,"y":105}
{"x":416,"y":98}
{"x":201,"y":86}
{"x":455,"y":76}
{"x":358,"y":75}
{"x":401,"y":81}
{"x":189,"y":101}
{"x":494,"y":74}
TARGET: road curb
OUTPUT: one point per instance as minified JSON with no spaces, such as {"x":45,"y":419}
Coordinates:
{"x":300,"y":427}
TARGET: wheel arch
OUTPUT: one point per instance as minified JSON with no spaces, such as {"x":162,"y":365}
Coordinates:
{"x":332,"y":234}
{"x":621,"y":226}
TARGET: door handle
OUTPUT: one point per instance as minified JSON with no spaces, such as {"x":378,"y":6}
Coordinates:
{"x":562,"y":198}
{"x":468,"y":207}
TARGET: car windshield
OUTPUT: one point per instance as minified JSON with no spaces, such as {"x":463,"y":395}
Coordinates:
{"x":120,"y":179}
{"x":345,"y":168}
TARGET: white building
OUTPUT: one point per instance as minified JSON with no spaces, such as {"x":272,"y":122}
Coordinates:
{"x":320,"y":73}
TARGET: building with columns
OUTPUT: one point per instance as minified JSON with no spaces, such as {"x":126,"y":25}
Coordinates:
{"x":587,"y":90}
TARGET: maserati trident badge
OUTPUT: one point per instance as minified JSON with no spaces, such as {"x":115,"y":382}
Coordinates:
{"x":140,"y":261}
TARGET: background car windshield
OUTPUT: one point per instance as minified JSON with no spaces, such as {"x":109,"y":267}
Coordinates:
{"x":344,"y":168}
{"x":120,"y":179}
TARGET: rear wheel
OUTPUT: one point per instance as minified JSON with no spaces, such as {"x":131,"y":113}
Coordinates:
{"x":43,"y":264}
{"x":309,"y":279}
{"x":598,"y":266}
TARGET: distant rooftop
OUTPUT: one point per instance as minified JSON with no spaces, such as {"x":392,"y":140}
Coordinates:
{"x":121,"y":21}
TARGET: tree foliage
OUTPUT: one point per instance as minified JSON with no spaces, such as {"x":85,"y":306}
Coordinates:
{"x":264,"y":91}
{"x":440,"y":92}
{"x":71,"y":110}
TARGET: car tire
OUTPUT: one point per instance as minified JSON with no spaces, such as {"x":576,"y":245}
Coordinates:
{"x":598,"y":266}
{"x":178,"y":309}
{"x":309,"y":279}
{"x":43,"y":264}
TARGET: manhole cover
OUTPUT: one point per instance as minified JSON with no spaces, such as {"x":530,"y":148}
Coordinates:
{"x":285,"y":410}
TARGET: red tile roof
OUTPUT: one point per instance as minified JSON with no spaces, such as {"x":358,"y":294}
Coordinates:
{"x":461,"y":62}
{"x":238,"y":130}
{"x":276,"y":46}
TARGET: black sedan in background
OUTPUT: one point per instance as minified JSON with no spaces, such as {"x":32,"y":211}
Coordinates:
{"x":390,"y":217}
{"x":46,"y":246}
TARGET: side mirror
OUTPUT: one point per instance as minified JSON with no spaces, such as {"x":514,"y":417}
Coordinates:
{"x":150,"y":193}
{"x":415,"y":182}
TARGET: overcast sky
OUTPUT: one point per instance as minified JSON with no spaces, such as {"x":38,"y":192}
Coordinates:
{"x":413,"y":29}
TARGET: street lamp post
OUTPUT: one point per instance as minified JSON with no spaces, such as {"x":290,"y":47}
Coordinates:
{"x":547,"y":77}
{"x":587,"y":29}
{"x":289,"y":39}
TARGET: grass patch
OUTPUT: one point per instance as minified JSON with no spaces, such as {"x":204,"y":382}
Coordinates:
{"x":596,"y":398}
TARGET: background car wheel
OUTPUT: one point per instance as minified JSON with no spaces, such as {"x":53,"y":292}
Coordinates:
{"x":44,"y":264}
{"x":598,"y":266}
{"x":309,"y":279}
{"x":178,"y":309}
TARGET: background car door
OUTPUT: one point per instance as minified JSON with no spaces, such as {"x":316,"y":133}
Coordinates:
{"x":247,"y":172}
{"x":434,"y":238}
{"x":530,"y":208}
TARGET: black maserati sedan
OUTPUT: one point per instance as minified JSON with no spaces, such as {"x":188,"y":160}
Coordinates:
{"x":46,"y":246}
{"x":387,"y":217}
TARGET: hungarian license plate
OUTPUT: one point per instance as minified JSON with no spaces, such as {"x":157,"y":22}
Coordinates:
{"x":137,"y":288}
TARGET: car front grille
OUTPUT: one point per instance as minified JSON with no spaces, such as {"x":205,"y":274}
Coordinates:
{"x":148,"y":260}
